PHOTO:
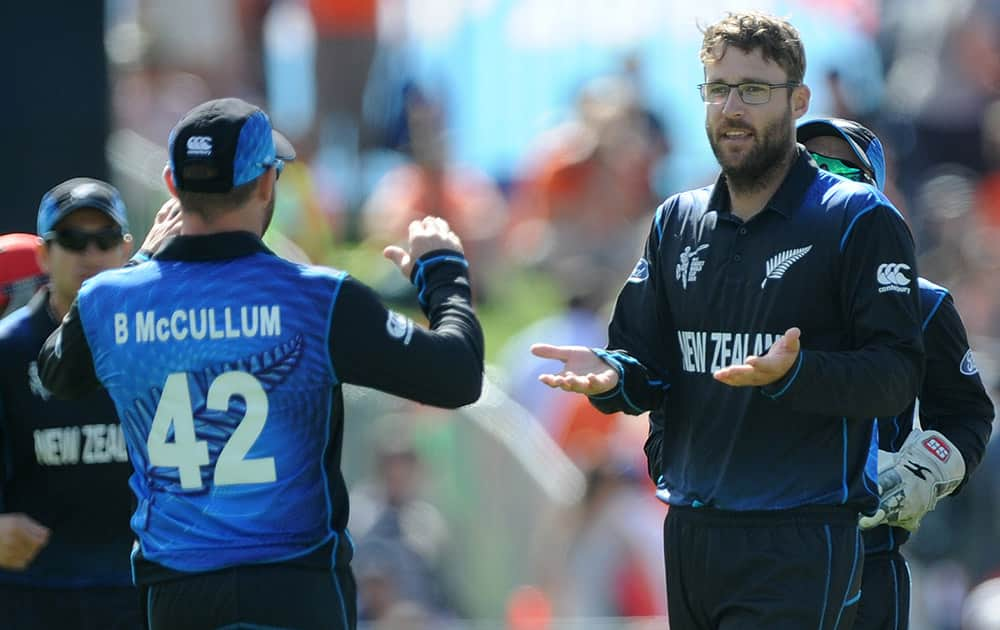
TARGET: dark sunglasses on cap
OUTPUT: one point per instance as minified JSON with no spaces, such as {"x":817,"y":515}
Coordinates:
{"x":844,"y":168}
{"x":77,"y":240}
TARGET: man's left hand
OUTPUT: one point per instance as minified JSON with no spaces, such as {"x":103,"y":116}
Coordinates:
{"x":764,"y":370}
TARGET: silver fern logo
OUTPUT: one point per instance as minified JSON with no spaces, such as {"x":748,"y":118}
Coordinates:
{"x":778,"y":264}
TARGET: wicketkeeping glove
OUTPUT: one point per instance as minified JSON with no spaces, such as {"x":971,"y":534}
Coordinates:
{"x":911,"y":481}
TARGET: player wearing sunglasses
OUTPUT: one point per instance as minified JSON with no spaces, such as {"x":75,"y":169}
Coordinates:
{"x":64,"y":495}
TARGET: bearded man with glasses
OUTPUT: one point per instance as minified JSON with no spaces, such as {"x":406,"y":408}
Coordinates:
{"x":64,"y":495}
{"x":772,"y":318}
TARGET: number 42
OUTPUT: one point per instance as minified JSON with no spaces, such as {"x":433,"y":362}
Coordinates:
{"x":188,"y":454}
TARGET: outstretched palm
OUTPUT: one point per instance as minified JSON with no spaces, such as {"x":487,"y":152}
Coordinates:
{"x":583,"y":372}
{"x":766,"y":369}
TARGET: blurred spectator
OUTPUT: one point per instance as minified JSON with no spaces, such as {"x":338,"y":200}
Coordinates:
{"x":583,"y":320}
{"x":601,"y":556}
{"x":944,"y":71}
{"x":586,"y":186}
{"x":988,"y":195}
{"x":201,"y":38}
{"x":432,"y":184}
{"x":402,"y":539}
{"x":345,"y":48}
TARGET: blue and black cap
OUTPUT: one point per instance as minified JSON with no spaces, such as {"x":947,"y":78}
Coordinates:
{"x":863,"y":142}
{"x":75,"y":194}
{"x":224,"y":143}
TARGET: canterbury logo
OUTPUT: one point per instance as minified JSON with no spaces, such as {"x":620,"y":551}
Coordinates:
{"x":778,"y":264}
{"x":892,"y":277}
{"x":917,"y":469}
{"x":199,"y":145}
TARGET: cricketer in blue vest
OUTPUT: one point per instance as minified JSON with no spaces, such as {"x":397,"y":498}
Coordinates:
{"x":225,"y":363}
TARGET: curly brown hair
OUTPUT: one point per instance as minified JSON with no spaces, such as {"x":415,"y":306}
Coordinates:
{"x":774,"y":37}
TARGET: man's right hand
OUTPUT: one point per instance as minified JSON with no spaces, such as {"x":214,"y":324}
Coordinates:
{"x":167,"y":223}
{"x":426,"y":235}
{"x":21,"y":538}
{"x":583,"y":371}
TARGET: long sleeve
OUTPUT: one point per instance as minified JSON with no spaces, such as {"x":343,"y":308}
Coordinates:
{"x":375,"y":347}
{"x":65,"y":363}
{"x":880,"y":375}
{"x":953,"y":399}
{"x":636,"y":344}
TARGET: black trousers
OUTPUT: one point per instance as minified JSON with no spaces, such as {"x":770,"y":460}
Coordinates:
{"x":781,"y":570}
{"x":885,"y":593}
{"x":264,"y":597}
{"x":109,"y":608}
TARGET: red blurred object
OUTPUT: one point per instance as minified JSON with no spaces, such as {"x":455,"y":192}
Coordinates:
{"x":20,"y":275}
{"x":529,"y":609}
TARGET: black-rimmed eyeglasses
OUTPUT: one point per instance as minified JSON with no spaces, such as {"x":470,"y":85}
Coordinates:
{"x":751,"y":93}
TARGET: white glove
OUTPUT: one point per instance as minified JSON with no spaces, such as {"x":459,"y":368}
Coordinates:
{"x":911,"y":481}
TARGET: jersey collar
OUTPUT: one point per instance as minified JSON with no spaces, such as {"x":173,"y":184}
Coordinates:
{"x":786,"y":199}
{"x":212,"y":247}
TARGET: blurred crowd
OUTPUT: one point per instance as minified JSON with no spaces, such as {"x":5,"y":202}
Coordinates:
{"x":456,"y":515}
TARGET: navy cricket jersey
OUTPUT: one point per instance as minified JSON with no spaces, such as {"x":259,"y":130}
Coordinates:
{"x":952,"y":399}
{"x":827,"y":255}
{"x":63,"y":463}
{"x":226,"y":363}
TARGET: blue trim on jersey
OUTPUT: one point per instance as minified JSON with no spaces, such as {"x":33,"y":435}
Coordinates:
{"x":336,"y":582}
{"x":131,"y":562}
{"x":245,"y":625}
{"x":421,"y":265}
{"x":895,"y":593}
{"x":658,"y":223}
{"x":140,"y":257}
{"x":880,"y":201}
{"x":611,"y":359}
{"x":795,"y":374}
{"x":872,"y":445}
{"x":829,"y":572}
{"x":933,"y":310}
{"x":616,"y":360}
{"x":326,"y":478}
{"x":850,"y":580}
{"x":843,"y":424}
{"x":850,"y":226}
{"x":895,"y":433}
{"x":329,"y":327}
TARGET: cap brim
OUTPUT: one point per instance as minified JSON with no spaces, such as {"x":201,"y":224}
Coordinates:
{"x":283,"y":149}
{"x":90,"y":203}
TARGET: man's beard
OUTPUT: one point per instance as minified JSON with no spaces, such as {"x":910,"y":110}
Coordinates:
{"x":768,"y":156}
